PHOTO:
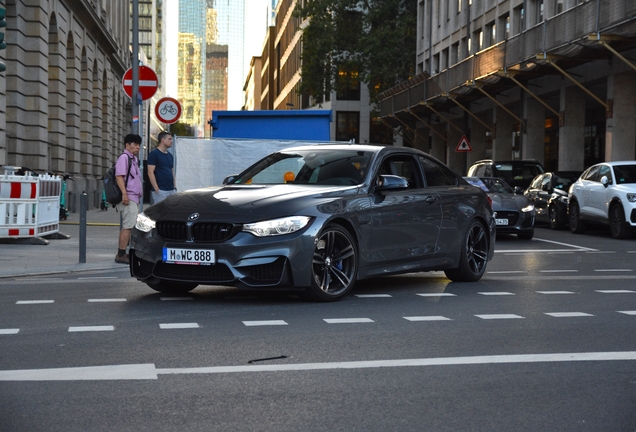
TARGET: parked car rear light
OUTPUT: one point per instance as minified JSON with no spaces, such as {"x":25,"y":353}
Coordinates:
{"x":489,"y":201}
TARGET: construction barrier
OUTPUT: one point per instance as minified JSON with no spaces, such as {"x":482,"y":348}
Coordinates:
{"x":29,"y":205}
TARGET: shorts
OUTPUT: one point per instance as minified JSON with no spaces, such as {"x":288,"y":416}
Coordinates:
{"x":161,"y":195}
{"x":128,"y":214}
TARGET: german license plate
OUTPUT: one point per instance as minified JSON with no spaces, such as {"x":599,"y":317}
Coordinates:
{"x":501,"y":221}
{"x":188,"y":256}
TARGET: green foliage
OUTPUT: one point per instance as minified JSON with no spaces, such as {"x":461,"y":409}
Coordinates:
{"x":375,"y":38}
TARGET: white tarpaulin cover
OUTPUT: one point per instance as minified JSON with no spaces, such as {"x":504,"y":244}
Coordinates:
{"x":206,"y":162}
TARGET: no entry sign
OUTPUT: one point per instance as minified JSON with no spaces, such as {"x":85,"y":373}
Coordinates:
{"x":148,"y":82}
{"x":168,"y":110}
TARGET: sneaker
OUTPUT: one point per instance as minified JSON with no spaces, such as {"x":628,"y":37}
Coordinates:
{"x":121,"y":259}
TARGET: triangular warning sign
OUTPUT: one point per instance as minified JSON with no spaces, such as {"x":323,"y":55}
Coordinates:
{"x":464,"y":145}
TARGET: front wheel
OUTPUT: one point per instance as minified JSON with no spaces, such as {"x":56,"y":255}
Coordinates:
{"x":577,"y":226}
{"x":168,"y":287}
{"x":334,"y":266}
{"x":474,"y":256}
{"x":619,"y":228}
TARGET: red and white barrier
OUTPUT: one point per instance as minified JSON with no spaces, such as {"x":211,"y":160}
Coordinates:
{"x":29,"y":206}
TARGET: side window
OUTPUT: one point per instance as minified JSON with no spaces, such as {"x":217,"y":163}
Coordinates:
{"x":403,"y":166}
{"x":546,"y":182}
{"x":436,"y":174}
{"x":604,"y":170}
{"x":592,"y":174}
{"x":537,"y":182}
{"x":484,"y":171}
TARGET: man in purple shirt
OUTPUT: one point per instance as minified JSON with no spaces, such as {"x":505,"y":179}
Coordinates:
{"x":131,"y":190}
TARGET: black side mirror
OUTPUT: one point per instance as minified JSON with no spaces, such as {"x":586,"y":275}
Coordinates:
{"x":229,"y":178}
{"x":390,"y":182}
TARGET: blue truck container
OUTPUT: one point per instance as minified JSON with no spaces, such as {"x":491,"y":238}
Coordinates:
{"x":284,"y":125}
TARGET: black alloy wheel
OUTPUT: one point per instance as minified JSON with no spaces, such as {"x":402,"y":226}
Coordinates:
{"x":556,"y":220}
{"x":577,"y":226}
{"x":335,"y":264}
{"x":619,"y":227}
{"x":474,"y":255}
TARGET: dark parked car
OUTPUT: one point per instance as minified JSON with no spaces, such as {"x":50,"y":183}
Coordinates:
{"x":517,"y":173}
{"x":549,"y":194}
{"x":514,"y":213}
{"x":316,"y":219}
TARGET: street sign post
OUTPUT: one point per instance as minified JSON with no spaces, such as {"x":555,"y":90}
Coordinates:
{"x":168,"y":110}
{"x":148,"y":82}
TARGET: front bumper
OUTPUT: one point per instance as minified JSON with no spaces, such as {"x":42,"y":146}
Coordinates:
{"x":244,"y":261}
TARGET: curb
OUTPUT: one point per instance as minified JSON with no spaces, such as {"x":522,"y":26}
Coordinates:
{"x":91,"y":223}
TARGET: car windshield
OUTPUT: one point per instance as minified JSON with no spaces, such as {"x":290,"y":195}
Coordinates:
{"x":490,"y":184}
{"x":314,"y":166}
{"x":625,"y":174}
{"x":563,"y":181}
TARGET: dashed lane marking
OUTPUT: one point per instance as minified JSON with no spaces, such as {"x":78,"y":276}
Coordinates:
{"x":32,"y":302}
{"x":426,"y":318}
{"x":264,"y":323}
{"x":347,"y":320}
{"x":91,"y":328}
{"x":373,"y":295}
{"x":496,"y":293}
{"x":558,"y":271}
{"x":149,"y":371}
{"x":436,"y":295}
{"x":178,"y":326}
{"x":627,"y":312}
{"x":9,"y":331}
{"x":615,"y":291}
{"x":613,"y":270}
{"x":555,"y":292}
{"x":97,"y":277}
{"x":499,"y":316}
{"x":106,"y":300}
{"x":176,"y":298}
{"x":568,"y":314}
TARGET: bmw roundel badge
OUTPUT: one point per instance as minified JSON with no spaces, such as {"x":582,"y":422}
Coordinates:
{"x":193,"y":217}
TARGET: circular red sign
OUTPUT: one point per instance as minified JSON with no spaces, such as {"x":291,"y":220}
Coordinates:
{"x":148,"y":82}
{"x":168,"y":110}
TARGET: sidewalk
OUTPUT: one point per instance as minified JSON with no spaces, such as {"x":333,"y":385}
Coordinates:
{"x":26,"y":257}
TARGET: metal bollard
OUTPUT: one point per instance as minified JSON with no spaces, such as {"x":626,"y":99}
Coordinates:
{"x":82,"y":227}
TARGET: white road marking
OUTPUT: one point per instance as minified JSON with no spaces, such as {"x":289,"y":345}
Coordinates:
{"x":150,"y":372}
{"x":615,"y":291}
{"x":264,"y":323}
{"x":499,"y":316}
{"x":373,"y":295}
{"x":613,"y":270}
{"x":500,"y":293}
{"x":106,"y":300}
{"x":555,"y":292}
{"x":558,"y":271}
{"x":427,"y":318}
{"x":9,"y":331}
{"x":97,"y":277}
{"x":436,"y":295}
{"x":91,"y":328}
{"x":507,"y":272}
{"x":568,"y":314}
{"x":347,"y":320}
{"x":601,"y":252}
{"x":178,"y":326}
{"x":176,"y":298}
{"x":30,"y":302}
{"x":627,"y":312}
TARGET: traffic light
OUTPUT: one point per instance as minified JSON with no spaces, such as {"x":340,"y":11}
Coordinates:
{"x":3,"y":44}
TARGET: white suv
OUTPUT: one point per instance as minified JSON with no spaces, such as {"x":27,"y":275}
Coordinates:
{"x":605,"y":193}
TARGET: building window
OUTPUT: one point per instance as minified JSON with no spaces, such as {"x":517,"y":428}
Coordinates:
{"x":454,"y":58}
{"x":558,"y":6}
{"x":348,"y":126}
{"x":491,"y":32}
{"x":459,"y":6}
{"x":504,"y":23}
{"x":379,"y":133}
{"x":518,"y":19}
{"x":348,"y":85}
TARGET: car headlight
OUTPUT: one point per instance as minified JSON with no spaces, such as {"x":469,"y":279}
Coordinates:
{"x":528,"y":208}
{"x":275,"y":227}
{"x":144,"y":223}
{"x":631,"y":197}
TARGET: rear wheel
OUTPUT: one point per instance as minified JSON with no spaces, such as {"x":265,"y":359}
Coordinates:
{"x":335,"y":265}
{"x":474,"y":256}
{"x":556,"y":219}
{"x":168,"y":287}
{"x":577,"y":226}
{"x":619,"y":228}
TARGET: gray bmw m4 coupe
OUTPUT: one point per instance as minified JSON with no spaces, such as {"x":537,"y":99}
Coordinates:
{"x":315,"y":219}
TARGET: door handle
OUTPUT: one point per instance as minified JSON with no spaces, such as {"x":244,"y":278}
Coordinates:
{"x":431,"y":199}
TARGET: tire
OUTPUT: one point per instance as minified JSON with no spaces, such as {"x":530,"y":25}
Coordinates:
{"x":577,"y":226}
{"x":619,"y":228}
{"x":334,"y":266}
{"x":168,"y":287}
{"x":555,"y":218}
{"x":527,"y":235}
{"x":474,"y":255}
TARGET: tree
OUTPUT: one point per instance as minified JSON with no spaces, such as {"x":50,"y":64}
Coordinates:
{"x":373,"y":41}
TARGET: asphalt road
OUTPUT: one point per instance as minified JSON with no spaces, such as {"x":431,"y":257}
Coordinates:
{"x":545,"y":341}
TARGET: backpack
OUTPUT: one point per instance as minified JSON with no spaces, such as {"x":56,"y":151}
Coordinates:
{"x":113,"y":193}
